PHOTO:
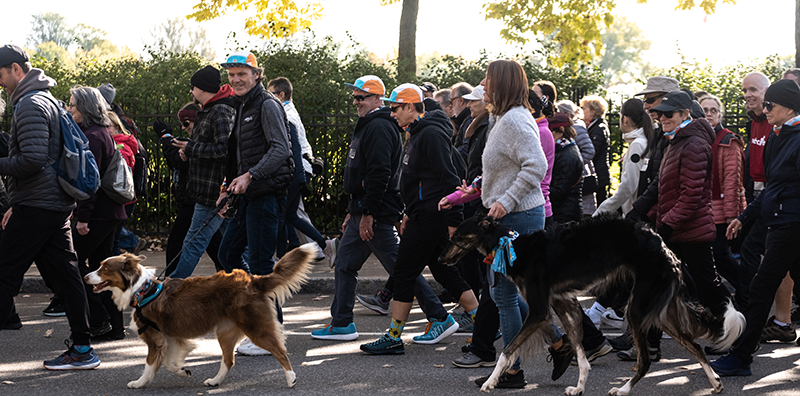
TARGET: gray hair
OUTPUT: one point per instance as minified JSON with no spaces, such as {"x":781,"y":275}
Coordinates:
{"x":569,"y":108}
{"x":90,"y":103}
{"x":460,"y":89}
{"x":719,"y":103}
{"x":793,"y":71}
{"x":445,"y":93}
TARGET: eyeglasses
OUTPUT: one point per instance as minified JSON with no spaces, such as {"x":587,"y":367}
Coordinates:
{"x":71,"y":106}
{"x":653,"y":99}
{"x":768,"y":106}
{"x":361,"y":98}
{"x":710,"y":110}
{"x":395,"y":108}
{"x":186,"y":123}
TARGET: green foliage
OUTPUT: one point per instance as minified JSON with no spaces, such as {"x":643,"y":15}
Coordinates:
{"x":622,"y":61}
{"x":50,"y":26}
{"x":272,"y":18}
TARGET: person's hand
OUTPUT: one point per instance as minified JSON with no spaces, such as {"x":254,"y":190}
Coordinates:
{"x":730,"y":220}
{"x":733,"y":229}
{"x":344,"y":223}
{"x":181,"y":144}
{"x":444,"y":203}
{"x":182,"y":153}
{"x":239,"y":184}
{"x":365,"y":228}
{"x":465,"y":188}
{"x":497,"y":211}
{"x":83,"y":228}
{"x":403,"y":224}
{"x":7,"y":216}
{"x":451,"y":231}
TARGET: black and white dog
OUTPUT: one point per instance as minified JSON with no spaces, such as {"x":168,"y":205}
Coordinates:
{"x":553,"y":267}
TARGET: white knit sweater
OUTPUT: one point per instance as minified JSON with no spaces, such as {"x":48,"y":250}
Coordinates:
{"x":513,"y":163}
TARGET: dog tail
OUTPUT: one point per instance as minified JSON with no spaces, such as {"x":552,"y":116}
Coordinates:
{"x":289,"y":274}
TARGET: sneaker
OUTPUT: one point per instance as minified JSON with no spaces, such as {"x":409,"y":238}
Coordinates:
{"x":99,"y":330}
{"x":631,"y":355}
{"x":72,"y":360}
{"x":731,"y":365}
{"x":623,"y":342}
{"x":595,"y":313}
{"x":12,"y":324}
{"x":506,"y":380}
{"x":465,"y":323}
{"x":611,"y":319}
{"x":114,"y":334}
{"x":437,"y":331}
{"x":604,"y":349}
{"x":775,"y":332}
{"x":712,"y":350}
{"x":55,"y":308}
{"x":331,"y":246}
{"x":384,"y":346}
{"x":561,"y":358}
{"x":329,"y":332}
{"x":320,"y":255}
{"x":247,"y":348}
{"x":379,"y":302}
{"x":471,"y":360}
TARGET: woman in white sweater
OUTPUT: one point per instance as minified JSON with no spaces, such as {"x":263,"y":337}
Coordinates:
{"x":637,"y":130}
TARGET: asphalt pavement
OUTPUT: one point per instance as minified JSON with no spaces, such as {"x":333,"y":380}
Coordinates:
{"x":339,"y":368}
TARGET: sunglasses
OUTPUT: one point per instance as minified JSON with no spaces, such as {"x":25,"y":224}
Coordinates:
{"x":186,"y":124}
{"x":653,"y":99}
{"x":665,"y":114}
{"x":361,"y":98}
{"x":395,"y":108}
{"x":768,"y":106}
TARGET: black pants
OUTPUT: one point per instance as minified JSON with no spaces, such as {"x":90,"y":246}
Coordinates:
{"x":698,"y":260}
{"x":92,"y":249}
{"x":727,"y":266}
{"x":180,"y":227}
{"x":487,"y":322}
{"x":44,"y":236}
{"x":751,"y":251}
{"x":423,"y":240}
{"x":782,"y":255}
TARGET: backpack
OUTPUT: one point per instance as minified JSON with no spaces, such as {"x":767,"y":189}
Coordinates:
{"x":140,"y":166}
{"x":117,"y":181}
{"x":76,"y":168}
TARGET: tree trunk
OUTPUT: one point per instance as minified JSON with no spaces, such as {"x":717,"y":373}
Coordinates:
{"x":407,"y":48}
{"x":797,"y":33}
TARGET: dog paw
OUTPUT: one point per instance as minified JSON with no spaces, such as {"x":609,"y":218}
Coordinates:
{"x":291,"y":379}
{"x":718,"y":388}
{"x":184,"y":372}
{"x":211,"y":382}
{"x":617,"y":392}
{"x":136,"y":384}
{"x":487,"y":387}
{"x":573,"y":391}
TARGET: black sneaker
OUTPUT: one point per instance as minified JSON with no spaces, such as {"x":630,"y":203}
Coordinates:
{"x":384,"y":346}
{"x":712,"y":350}
{"x":112,"y":335}
{"x":99,"y":330}
{"x":12,"y":324}
{"x":623,"y":342}
{"x":506,"y":380}
{"x":55,"y":308}
{"x":631,"y":356}
{"x":560,"y":358}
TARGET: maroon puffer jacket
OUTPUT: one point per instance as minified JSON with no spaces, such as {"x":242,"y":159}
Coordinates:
{"x":684,"y":185}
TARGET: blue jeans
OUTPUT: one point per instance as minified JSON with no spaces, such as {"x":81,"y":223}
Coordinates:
{"x":504,"y":292}
{"x":255,"y":229}
{"x":197,"y":238}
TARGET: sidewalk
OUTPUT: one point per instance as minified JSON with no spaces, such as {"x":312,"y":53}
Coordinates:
{"x":371,"y":277}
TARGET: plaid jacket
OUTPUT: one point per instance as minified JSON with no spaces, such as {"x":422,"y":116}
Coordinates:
{"x":208,"y":148}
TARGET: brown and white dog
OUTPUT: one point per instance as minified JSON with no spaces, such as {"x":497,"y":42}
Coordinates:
{"x":232,"y":305}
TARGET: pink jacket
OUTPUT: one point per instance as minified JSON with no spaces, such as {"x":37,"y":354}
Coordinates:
{"x":549,"y":147}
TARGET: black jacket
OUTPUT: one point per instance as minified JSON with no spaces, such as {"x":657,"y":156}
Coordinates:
{"x":428,"y":169}
{"x":477,"y":142}
{"x":565,"y":187}
{"x":180,"y":171}
{"x":372,"y":174}
{"x":598,"y":132}
{"x":260,"y":144}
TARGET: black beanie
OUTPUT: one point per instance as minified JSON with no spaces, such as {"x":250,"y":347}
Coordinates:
{"x":207,"y":79}
{"x":785,"y":93}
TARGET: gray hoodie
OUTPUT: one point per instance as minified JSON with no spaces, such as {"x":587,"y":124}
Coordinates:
{"x":35,"y":142}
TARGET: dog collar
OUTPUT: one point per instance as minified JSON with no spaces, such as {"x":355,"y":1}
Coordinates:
{"x":149,"y":291}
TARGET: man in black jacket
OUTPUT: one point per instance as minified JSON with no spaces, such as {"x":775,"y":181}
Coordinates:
{"x":259,"y":170}
{"x":372,"y":180}
{"x":37,"y":225}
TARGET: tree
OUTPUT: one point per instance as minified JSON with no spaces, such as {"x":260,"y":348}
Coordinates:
{"x":51,"y":51}
{"x":174,"y":36}
{"x":273,"y":18}
{"x":50,"y":26}
{"x":622,"y":60}
{"x":88,"y":37}
{"x":577,"y":24}
{"x":407,"y":46}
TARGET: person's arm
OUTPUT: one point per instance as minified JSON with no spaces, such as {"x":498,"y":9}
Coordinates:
{"x":533,"y":166}
{"x":376,"y":147}
{"x":221,"y":122}
{"x":732,"y":176}
{"x":629,"y":180}
{"x":33,"y":135}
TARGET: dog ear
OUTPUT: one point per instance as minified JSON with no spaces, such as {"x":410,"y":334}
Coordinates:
{"x":486,"y":221}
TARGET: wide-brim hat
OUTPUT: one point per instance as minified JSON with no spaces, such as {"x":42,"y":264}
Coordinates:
{"x":405,"y":93}
{"x":675,"y":100}
{"x":660,"y":84}
{"x":369,"y":84}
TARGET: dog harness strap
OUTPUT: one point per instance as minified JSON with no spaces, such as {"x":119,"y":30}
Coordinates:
{"x":504,"y":253}
{"x":146,"y":294}
{"x":147,"y":322}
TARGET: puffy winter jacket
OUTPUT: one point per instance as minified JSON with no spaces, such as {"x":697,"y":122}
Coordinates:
{"x":566,"y":185}
{"x":729,"y":174}
{"x":372,"y":174}
{"x":259,"y":144}
{"x":684,"y":185}
{"x":428,"y":170}
{"x":34,"y":145}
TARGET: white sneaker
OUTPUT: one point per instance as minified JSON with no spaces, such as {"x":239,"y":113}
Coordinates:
{"x":610,"y":318}
{"x":331,"y":246}
{"x":595,"y":313}
{"x":320,"y":255}
{"x":247,"y":348}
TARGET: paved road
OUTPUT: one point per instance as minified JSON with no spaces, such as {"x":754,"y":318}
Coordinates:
{"x":338,"y":368}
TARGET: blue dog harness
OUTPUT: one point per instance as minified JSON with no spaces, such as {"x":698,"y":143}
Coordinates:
{"x":149,"y":291}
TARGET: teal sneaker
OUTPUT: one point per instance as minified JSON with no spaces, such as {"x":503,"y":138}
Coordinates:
{"x":329,"y":332}
{"x":437,"y":331}
{"x":73,"y":360}
{"x":384,"y":346}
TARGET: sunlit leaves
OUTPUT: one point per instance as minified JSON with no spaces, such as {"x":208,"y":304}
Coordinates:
{"x":268,"y":18}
